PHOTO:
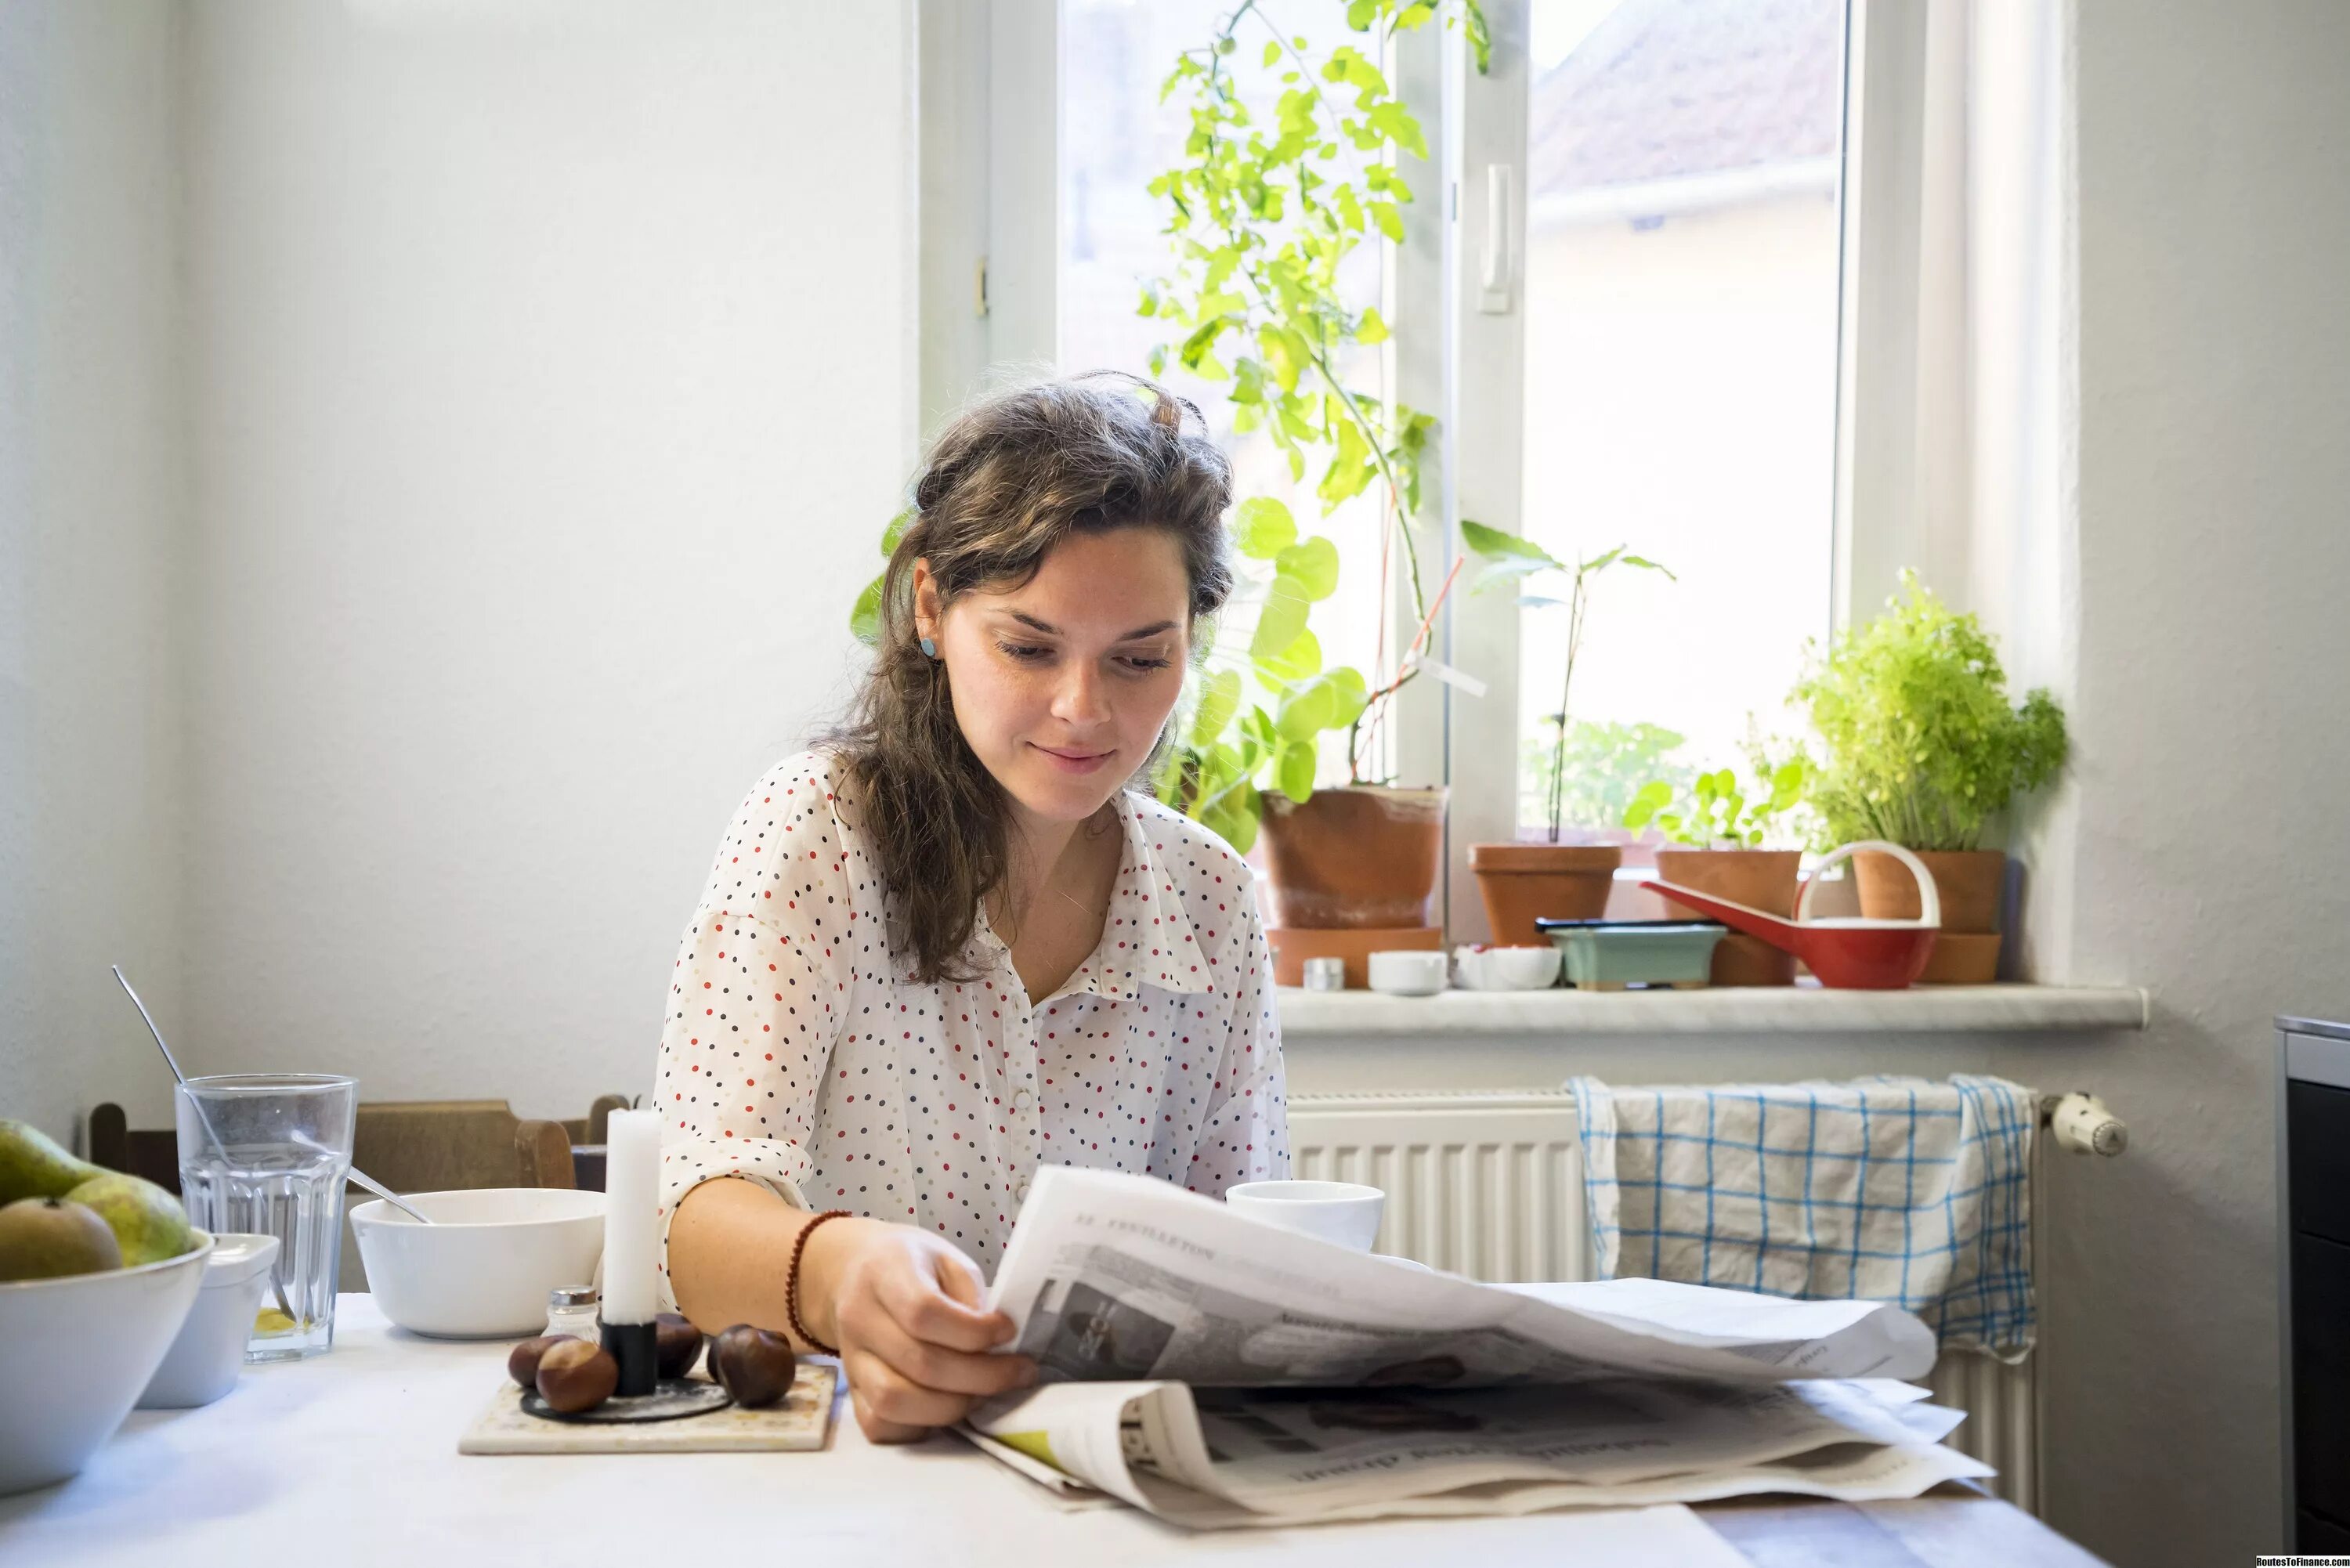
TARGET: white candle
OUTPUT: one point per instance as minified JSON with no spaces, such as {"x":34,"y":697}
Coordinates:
{"x":632,"y":1228}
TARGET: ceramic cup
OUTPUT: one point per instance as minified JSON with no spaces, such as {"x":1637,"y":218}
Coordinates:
{"x":1409,"y":971}
{"x":1342,"y":1211}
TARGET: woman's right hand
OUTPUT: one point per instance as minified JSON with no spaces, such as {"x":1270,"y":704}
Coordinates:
{"x":904,"y":1307}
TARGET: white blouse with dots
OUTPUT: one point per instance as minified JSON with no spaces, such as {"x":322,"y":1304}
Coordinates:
{"x":796,"y":1054}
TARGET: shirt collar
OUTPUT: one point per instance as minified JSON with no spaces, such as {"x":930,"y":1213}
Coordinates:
{"x":1147,"y":939}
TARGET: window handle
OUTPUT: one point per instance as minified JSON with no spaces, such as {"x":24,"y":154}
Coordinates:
{"x":1495,"y":271}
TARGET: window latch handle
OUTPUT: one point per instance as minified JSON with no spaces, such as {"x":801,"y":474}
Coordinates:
{"x":1493,"y":297}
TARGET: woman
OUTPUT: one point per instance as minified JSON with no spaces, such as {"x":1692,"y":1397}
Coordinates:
{"x":952,"y":943}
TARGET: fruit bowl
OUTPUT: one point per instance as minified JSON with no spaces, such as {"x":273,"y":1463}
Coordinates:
{"x":76,"y":1351}
{"x":482,"y":1268}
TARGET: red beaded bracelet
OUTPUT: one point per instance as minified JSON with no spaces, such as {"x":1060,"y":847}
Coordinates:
{"x":792,"y":1282}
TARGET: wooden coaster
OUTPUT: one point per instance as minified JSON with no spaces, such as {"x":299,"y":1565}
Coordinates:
{"x":672,"y":1398}
{"x":800,"y":1422}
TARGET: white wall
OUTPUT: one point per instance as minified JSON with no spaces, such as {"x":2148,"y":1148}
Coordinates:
{"x":91,"y":507}
{"x":551,"y":377}
{"x":2213,"y":734}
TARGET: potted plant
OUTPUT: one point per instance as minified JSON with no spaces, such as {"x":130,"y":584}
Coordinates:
{"x":1721,"y":827}
{"x":1917,"y":744}
{"x":1523,"y":882}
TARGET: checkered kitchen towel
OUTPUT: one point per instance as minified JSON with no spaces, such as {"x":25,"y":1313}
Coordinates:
{"x":1892,"y":1189}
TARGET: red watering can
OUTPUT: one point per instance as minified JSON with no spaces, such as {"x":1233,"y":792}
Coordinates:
{"x":1852,"y":953}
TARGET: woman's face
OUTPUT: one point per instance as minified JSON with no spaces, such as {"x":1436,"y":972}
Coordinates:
{"x":1061,"y":685}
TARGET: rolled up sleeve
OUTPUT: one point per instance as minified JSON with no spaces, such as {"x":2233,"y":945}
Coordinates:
{"x":754,"y":999}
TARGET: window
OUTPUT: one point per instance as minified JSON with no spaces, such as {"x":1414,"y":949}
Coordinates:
{"x":1661,"y":368}
{"x":1683,"y":242}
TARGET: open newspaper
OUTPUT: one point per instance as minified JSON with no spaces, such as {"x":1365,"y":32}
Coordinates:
{"x":1217,"y":1372}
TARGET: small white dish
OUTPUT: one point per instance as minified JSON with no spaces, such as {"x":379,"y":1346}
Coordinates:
{"x":204,"y":1360}
{"x":1408,"y":971}
{"x":1482,"y":968}
{"x":482,"y":1268}
{"x":73,"y":1353}
{"x":1346,"y":1212}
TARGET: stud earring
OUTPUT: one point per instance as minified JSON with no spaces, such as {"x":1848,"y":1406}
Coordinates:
{"x":929,"y":647}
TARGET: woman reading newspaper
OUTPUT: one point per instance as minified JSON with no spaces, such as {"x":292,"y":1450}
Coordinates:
{"x":955,"y":941}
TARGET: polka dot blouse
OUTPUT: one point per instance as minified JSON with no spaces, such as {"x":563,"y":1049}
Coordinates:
{"x":796,"y":1054}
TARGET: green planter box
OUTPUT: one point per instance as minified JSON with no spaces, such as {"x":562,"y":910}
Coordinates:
{"x":1611,"y":955}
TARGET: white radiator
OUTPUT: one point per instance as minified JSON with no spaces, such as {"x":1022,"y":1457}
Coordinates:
{"x":1490,"y":1185}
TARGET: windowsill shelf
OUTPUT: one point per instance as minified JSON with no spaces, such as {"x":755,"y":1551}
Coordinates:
{"x":1805,"y":1009}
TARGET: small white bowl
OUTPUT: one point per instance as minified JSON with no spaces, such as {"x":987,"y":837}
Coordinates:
{"x":1408,"y":971}
{"x":1347,"y":1212}
{"x":1506,"y":967}
{"x":73,"y":1353}
{"x":204,"y":1360}
{"x":482,"y":1268}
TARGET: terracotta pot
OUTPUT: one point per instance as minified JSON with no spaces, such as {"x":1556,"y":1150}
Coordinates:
{"x":1971,"y":882}
{"x":1359,"y":856}
{"x":1522,"y":883}
{"x":1763,"y":880}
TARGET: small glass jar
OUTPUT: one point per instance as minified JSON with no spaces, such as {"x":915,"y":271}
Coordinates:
{"x":571,"y":1309}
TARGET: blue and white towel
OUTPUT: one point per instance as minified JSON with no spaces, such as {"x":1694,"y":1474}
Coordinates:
{"x":1891,"y":1189}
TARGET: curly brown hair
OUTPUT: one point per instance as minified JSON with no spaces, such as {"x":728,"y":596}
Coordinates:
{"x":1009,"y":478}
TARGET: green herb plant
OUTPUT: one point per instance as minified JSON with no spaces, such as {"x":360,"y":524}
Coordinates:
{"x":1714,"y":809}
{"x":1916,"y":741}
{"x":1511,"y":559}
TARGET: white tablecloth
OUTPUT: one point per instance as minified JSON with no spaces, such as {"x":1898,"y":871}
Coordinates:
{"x":351,"y":1459}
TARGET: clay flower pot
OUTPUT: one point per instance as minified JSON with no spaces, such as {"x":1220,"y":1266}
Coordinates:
{"x":1522,"y":883}
{"x":1763,"y":880}
{"x":1971,"y":882}
{"x":1357,"y":858}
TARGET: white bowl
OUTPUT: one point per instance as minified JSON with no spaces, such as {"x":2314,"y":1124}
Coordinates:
{"x":1507,"y":968}
{"x":1407,"y":971}
{"x":482,"y":1268}
{"x":204,"y":1360}
{"x":73,"y":1353}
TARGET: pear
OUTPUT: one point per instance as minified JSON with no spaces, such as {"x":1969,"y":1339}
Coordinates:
{"x":46,"y":1239}
{"x":147,"y":1221}
{"x":33,"y":1166}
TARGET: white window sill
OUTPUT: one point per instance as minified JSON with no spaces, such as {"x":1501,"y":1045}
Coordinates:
{"x":1805,"y":1009}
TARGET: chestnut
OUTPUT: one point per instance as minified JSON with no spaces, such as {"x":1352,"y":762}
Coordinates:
{"x":522,"y":1361}
{"x":754,"y":1365}
{"x":676,"y":1341}
{"x":575,"y":1375}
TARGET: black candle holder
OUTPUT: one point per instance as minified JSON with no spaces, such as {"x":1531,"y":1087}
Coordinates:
{"x":633,"y":1347}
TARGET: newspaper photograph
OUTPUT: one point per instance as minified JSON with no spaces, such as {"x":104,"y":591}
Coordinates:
{"x":1118,"y":1278}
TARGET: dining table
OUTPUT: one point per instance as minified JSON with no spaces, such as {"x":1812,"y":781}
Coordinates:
{"x":350,"y":1458}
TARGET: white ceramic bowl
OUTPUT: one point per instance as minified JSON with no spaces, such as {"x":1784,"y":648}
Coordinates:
{"x":1408,"y":971}
{"x":1347,"y":1212}
{"x":1506,"y":969}
{"x":204,"y":1360}
{"x":482,"y":1268}
{"x":75,"y":1352}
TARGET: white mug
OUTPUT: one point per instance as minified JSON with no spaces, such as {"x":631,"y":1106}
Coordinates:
{"x":1342,"y":1211}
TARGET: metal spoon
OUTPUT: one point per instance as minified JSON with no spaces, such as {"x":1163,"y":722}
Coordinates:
{"x":370,"y":1183}
{"x":277,"y":1286}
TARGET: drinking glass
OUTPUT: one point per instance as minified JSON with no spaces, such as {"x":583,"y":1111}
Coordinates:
{"x":269,"y":1153}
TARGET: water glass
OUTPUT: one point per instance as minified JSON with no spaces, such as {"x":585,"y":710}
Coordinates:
{"x":269,"y":1153}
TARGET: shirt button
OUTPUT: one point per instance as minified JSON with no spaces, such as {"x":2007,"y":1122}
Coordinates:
{"x":1020,"y":1191}
{"x":1023,"y":1102}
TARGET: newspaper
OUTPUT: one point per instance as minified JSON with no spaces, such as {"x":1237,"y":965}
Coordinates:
{"x":1116,"y":1278}
{"x":1217,"y":1372}
{"x":1220,"y":1459}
